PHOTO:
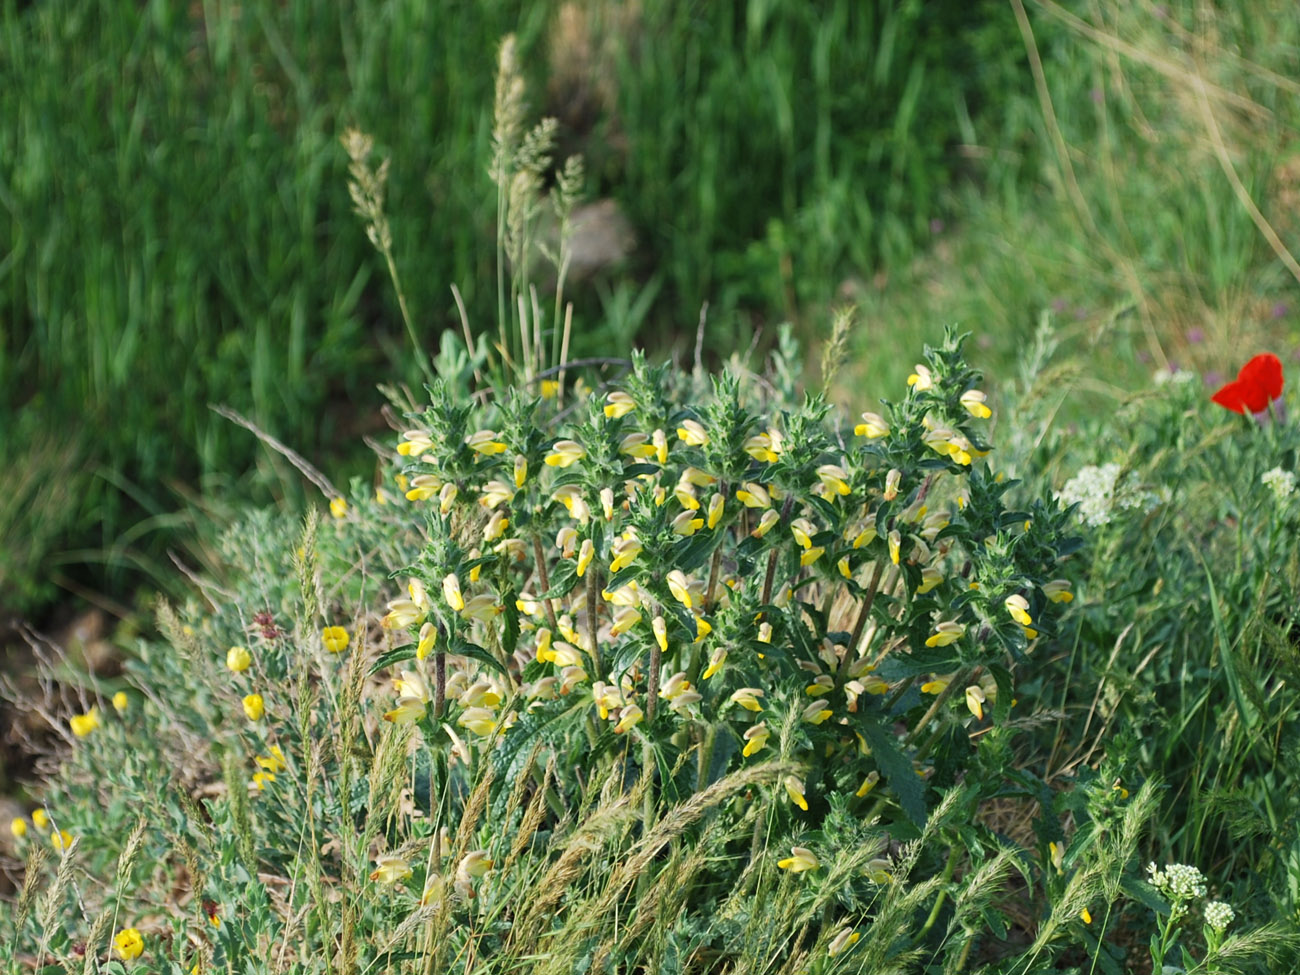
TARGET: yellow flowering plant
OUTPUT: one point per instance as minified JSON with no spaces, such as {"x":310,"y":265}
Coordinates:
{"x":683,"y":576}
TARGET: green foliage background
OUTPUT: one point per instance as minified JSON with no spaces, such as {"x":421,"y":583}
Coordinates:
{"x":175,"y":228}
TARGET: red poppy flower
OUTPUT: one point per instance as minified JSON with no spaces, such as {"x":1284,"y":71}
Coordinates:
{"x":1257,"y":385}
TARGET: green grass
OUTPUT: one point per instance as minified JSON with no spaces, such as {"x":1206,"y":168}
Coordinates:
{"x":177,"y":229}
{"x":1128,"y":229}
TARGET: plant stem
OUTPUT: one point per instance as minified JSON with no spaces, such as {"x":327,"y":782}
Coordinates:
{"x":540,"y":558}
{"x":850,"y":652}
{"x":943,"y":892}
{"x":593,"y":588}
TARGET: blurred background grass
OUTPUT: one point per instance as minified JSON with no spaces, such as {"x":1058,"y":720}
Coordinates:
{"x":175,"y":228}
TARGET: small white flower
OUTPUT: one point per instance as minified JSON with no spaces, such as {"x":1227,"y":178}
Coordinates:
{"x":1281,"y":483}
{"x":1219,"y":915}
{"x":1100,"y":492}
{"x":1177,"y":881}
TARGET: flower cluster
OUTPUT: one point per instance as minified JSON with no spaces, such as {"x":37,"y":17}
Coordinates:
{"x":1281,"y":482}
{"x":1101,"y":491}
{"x":1219,"y":915}
{"x":707,"y":573}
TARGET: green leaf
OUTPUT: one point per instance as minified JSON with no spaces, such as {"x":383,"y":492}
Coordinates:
{"x":1002,"y":706}
{"x":906,"y":785}
{"x":693,"y":552}
{"x":563,"y":581}
{"x":400,"y":655}
{"x":466,"y":649}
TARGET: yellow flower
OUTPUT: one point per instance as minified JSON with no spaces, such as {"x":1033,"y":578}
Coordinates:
{"x":811,"y":556}
{"x":475,"y":863}
{"x":973,"y":401}
{"x":574,"y":503}
{"x":946,"y":633}
{"x":565,"y":453}
{"x":414,"y":443}
{"x":770,"y":518}
{"x":390,"y":869}
{"x":254,"y":707}
{"x":480,"y":694}
{"x":428,"y":637}
{"x":686,"y":524}
{"x":18,"y":827}
{"x":873,"y":426}
{"x":451,"y":592}
{"x":675,"y":686}
{"x":483,"y":607}
{"x":422,"y":487}
{"x":625,"y":617}
{"x":274,"y":762}
{"x":660,"y":629}
{"x":877,"y":871}
{"x":479,"y":720}
{"x":521,"y":470}
{"x":685,"y":495}
{"x":1018,"y":607}
{"x":585,"y":554}
{"x":238,"y":659}
{"x":692,"y":433}
{"x":935,"y":685}
{"x":702,"y":628}
{"x":128,"y":944}
{"x":618,"y":404}
{"x":975,"y":700}
{"x":893,"y":480}
{"x":485,"y":442}
{"x":756,"y":737}
{"x":563,"y":654}
{"x":863,"y":533}
{"x":660,"y":441}
{"x":496,"y":526}
{"x":607,"y":503}
{"x":84,"y":724}
{"x":1058,"y":591}
{"x":1057,"y":854}
{"x":816,"y":713}
{"x":262,"y":779}
{"x":868,"y":784}
{"x":921,"y":380}
{"x":930,"y":577}
{"x":716,"y":505}
{"x":335,"y":638}
{"x":447,"y":497}
{"x":629,"y":718}
{"x":895,"y":546}
{"x":550,"y":388}
{"x":794,"y":788}
{"x":760,"y":447}
{"x":747,"y":698}
{"x":338,"y":507}
{"x":845,"y":939}
{"x":754,"y":496}
{"x":40,"y":819}
{"x":715,"y":663}
{"x":60,"y":839}
{"x":637,"y":445}
{"x":1086,"y":916}
{"x":823,"y":685}
{"x":680,"y":587}
{"x":408,"y":711}
{"x":801,"y":859}
{"x":121,"y":702}
{"x":835,"y":478}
